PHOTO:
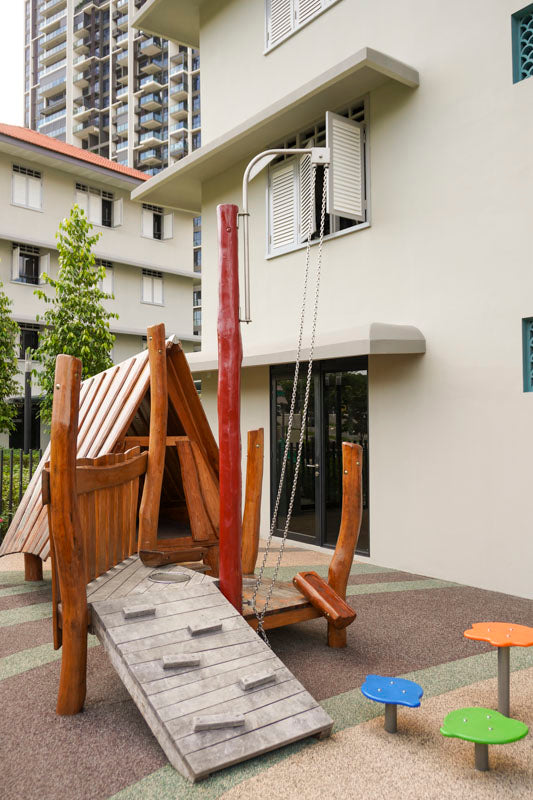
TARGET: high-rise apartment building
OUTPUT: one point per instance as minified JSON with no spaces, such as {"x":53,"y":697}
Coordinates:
{"x":93,"y":80}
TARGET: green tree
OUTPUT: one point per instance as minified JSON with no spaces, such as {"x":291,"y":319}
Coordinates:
{"x":76,"y":323}
{"x":8,"y":364}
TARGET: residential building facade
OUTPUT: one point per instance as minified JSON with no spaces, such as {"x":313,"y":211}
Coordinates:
{"x":424,"y":325}
{"x":93,"y":80}
{"x":145,"y":248}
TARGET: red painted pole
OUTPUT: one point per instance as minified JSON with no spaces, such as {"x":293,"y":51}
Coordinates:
{"x":229,"y":406}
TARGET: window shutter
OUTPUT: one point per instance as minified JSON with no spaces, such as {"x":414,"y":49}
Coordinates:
{"x":168,"y":226}
{"x":95,"y":209}
{"x":279,"y":20}
{"x":15,"y":264}
{"x":306,"y":9}
{"x":147,"y":223}
{"x":283,"y":204}
{"x":157,"y":285}
{"x":118,"y":212}
{"x":44,"y":265}
{"x":307,"y":201}
{"x":82,"y":199}
{"x":345,"y":196}
{"x":34,"y":192}
{"x":19,"y":188}
{"x":146,"y":289}
{"x":107,"y":282}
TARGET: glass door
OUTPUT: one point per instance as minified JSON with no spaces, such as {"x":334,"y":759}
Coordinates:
{"x":303,"y":524}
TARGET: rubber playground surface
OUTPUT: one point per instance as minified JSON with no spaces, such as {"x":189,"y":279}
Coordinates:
{"x":407,"y":625}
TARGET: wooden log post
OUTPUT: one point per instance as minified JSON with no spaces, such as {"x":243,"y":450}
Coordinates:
{"x":229,"y":390}
{"x":352,"y":509}
{"x":67,"y":535}
{"x":33,"y":567}
{"x":252,"y":501}
{"x":153,"y":481}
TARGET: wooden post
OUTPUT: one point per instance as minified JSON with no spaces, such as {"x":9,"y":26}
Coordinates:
{"x":33,"y":567}
{"x":252,"y":501}
{"x":229,"y":433}
{"x":67,"y":536}
{"x":151,"y":496}
{"x":352,"y":509}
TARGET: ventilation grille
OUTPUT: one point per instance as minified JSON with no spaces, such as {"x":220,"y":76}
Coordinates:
{"x":525,"y":43}
{"x":23,"y":171}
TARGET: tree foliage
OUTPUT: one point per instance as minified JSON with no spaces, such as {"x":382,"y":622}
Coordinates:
{"x":8,"y":364}
{"x":76,"y":323}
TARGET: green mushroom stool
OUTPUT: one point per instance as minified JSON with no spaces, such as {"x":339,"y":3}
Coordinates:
{"x":483,"y":726}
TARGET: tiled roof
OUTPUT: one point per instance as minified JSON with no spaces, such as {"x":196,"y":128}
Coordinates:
{"x":39,"y":139}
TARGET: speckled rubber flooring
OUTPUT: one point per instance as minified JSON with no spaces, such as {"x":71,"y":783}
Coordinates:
{"x":409,"y":625}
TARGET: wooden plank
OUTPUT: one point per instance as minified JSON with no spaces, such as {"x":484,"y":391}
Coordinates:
{"x":252,"y":501}
{"x":257,"y":742}
{"x":201,"y":528}
{"x":324,"y":599}
{"x":88,"y":479}
{"x":108,"y":579}
{"x":166,"y":595}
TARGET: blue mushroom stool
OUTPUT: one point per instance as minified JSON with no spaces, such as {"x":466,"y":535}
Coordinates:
{"x":393,"y":692}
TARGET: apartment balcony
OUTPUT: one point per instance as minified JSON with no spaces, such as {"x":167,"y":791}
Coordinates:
{"x":122,"y":4}
{"x":81,"y":79}
{"x":152,"y":66}
{"x":52,"y":6}
{"x":150,"y":102}
{"x":48,"y":23}
{"x":62,"y":113}
{"x":123,"y":79}
{"x":81,"y":46}
{"x":82,"y":113}
{"x":54,"y":87}
{"x":149,"y":158}
{"x":84,"y":129}
{"x":122,"y":58}
{"x":55,"y":54}
{"x":151,"y":121}
{"x":179,"y":72}
{"x":82,"y":27}
{"x":179,"y":111}
{"x":51,"y":108}
{"x":83,"y":61}
{"x":179,"y":129}
{"x":150,"y":84}
{"x":54,"y":37}
{"x":149,"y":139}
{"x":122,"y":22}
{"x":122,"y":95}
{"x":122,"y":39}
{"x":179,"y":92}
{"x":179,"y":149}
{"x":151,"y":47}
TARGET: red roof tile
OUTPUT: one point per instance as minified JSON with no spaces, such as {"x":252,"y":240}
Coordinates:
{"x":39,"y":139}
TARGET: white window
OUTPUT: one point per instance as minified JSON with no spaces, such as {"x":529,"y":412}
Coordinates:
{"x":106,"y":284}
{"x":293,"y":211}
{"x":152,"y":287}
{"x":99,"y":206}
{"x":28,"y":264}
{"x":284,"y":17}
{"x":155,"y":224}
{"x":26,"y":187}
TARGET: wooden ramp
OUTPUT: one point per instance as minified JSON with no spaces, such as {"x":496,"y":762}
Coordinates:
{"x":212,"y":692}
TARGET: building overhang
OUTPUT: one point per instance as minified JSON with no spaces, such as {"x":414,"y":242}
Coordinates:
{"x":178,"y":20}
{"x":375,"y":338}
{"x":180,"y":186}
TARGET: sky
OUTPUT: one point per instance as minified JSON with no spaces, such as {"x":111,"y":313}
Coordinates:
{"x":12,"y":61}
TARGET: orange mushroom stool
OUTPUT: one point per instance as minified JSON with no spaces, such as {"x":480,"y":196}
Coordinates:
{"x":502,"y":635}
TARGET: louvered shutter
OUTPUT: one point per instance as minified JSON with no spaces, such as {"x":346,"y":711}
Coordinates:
{"x":146,"y":289}
{"x":34,"y":192}
{"x":280,"y":19}
{"x":147,"y":223}
{"x":305,"y":9}
{"x":345,"y":196}
{"x":95,"y":208}
{"x":19,"y":189}
{"x":157,"y":289}
{"x":168,"y":226}
{"x":44,"y":265}
{"x":283,"y":204}
{"x":118,"y":212}
{"x":15,"y":264}
{"x":82,"y":200}
{"x":307,"y":200}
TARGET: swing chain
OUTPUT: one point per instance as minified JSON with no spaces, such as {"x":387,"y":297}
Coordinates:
{"x":261,"y":614}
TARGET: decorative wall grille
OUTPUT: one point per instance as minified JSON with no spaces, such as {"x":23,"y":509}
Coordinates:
{"x":523,"y":43}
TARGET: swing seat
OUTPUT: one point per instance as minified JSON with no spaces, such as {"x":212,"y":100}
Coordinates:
{"x":325,"y":599}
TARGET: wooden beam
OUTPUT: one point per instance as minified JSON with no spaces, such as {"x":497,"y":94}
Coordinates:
{"x":33,"y":567}
{"x":144,"y":441}
{"x":252,"y":501}
{"x":67,"y":536}
{"x":151,"y":497}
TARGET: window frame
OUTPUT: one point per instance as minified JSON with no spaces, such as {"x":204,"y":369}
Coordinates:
{"x":19,"y":169}
{"x":363,"y":101}
{"x":104,"y":195}
{"x":326,"y":5}
{"x":153,"y":274}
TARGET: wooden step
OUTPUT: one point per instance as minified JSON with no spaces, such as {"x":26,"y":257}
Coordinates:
{"x":325,"y":599}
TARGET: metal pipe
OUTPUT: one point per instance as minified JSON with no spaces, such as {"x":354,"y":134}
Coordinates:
{"x":481,"y":756}
{"x":503,"y":680}
{"x":391,"y":717}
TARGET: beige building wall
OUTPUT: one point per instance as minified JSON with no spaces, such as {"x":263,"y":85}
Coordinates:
{"x":448,"y":250}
